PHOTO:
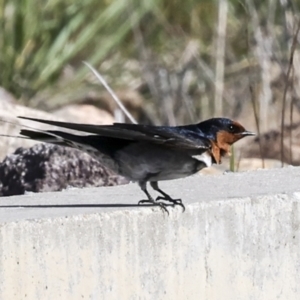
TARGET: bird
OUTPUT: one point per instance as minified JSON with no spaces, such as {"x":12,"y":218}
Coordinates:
{"x":148,"y":153}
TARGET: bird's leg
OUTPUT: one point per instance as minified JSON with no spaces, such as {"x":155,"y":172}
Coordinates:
{"x":150,"y":199}
{"x":165,"y":196}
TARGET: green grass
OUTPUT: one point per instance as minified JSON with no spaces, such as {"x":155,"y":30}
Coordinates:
{"x":40,"y":38}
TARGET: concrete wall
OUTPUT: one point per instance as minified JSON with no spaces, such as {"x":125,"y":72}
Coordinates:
{"x":238,"y":239}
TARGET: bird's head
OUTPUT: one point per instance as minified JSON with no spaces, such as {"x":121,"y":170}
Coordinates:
{"x":222,"y":133}
{"x":229,"y":132}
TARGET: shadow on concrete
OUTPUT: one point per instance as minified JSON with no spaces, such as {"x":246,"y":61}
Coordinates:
{"x":76,"y":205}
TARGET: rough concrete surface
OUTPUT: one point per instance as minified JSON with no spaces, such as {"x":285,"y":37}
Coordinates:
{"x":238,"y":239}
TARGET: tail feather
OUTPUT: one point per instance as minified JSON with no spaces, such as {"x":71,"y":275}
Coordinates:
{"x":89,"y":143}
{"x":96,"y":129}
{"x":98,"y":147}
{"x":52,"y":137}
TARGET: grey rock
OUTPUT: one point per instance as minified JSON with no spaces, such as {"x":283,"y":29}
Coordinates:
{"x":45,"y":167}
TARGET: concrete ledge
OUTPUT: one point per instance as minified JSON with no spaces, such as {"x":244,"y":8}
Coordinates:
{"x":238,"y":239}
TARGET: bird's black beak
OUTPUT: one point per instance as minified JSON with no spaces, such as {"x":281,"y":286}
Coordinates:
{"x":246,"y":133}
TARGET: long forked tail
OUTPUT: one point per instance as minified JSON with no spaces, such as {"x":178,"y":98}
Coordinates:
{"x":98,"y":147}
{"x":52,"y":137}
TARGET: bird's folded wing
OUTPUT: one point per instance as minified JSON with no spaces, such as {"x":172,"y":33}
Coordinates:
{"x":169,"y":136}
{"x":173,"y":136}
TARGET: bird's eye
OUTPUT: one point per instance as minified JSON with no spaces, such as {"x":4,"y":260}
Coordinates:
{"x":231,"y":128}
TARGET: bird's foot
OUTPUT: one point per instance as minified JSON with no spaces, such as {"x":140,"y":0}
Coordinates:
{"x":162,"y":205}
{"x":173,"y":201}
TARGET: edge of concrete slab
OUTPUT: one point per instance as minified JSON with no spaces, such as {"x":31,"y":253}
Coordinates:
{"x":238,"y":239}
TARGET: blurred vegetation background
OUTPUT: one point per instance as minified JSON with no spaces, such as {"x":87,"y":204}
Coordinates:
{"x":187,"y":60}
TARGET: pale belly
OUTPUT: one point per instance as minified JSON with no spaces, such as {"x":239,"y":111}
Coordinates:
{"x":153,"y":163}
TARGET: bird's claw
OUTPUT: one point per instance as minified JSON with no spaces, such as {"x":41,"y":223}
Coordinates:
{"x":145,"y":201}
{"x":173,"y":201}
{"x":160,"y":204}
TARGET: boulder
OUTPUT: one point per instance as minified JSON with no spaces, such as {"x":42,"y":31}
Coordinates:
{"x":45,"y":167}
